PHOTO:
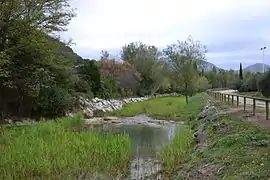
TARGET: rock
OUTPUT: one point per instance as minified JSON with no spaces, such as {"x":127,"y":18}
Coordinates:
{"x":10,"y":121}
{"x":89,"y":106}
{"x":110,"y":118}
{"x":94,"y":121}
{"x":207,"y":112}
{"x":88,"y":113}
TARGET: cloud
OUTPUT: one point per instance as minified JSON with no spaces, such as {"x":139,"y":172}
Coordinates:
{"x":232,"y":30}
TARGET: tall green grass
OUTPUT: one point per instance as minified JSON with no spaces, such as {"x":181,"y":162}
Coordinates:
{"x":174,"y":155}
{"x":49,"y":150}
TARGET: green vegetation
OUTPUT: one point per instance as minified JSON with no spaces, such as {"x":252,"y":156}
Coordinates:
{"x":54,"y":77}
{"x":234,"y":148}
{"x":41,"y":76}
{"x":159,"y":108}
{"x":53,"y":150}
{"x":184,"y":57}
{"x":242,"y":149}
{"x":165,"y":108}
{"x":241,"y":72}
{"x":264,"y":84}
{"x":176,"y":154}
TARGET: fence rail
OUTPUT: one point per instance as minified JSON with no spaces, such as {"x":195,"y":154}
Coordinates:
{"x":230,"y":98}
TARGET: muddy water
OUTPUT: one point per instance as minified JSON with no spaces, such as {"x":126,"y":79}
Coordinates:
{"x":147,"y":139}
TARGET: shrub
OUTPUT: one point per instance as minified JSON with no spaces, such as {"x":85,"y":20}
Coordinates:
{"x":243,"y":88}
{"x":54,"y":101}
{"x":264,"y":84}
{"x":236,"y":84}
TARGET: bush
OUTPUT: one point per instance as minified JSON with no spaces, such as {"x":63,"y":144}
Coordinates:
{"x":236,"y":84}
{"x":109,"y":88}
{"x":264,"y":84}
{"x":243,"y":88}
{"x":252,"y":83}
{"x":54,"y":101}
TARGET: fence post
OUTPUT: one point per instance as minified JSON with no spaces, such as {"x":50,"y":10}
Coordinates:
{"x":244,"y":103}
{"x":232,"y":99}
{"x":254,"y":106}
{"x":237,"y":98}
{"x":267,"y":109}
{"x":221,"y":97}
{"x":228,"y":99}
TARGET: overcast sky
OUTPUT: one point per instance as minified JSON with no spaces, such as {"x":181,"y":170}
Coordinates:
{"x":233,"y":30}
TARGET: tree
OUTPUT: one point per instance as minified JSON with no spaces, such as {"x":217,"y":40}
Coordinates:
{"x":252,"y":83}
{"x":90,"y":73}
{"x":241,"y":72}
{"x":29,"y":53}
{"x":264,"y":84}
{"x":122,"y":72}
{"x":105,"y":55}
{"x":202,"y":84}
{"x":182,"y":56}
{"x":147,"y":61}
{"x":212,"y":77}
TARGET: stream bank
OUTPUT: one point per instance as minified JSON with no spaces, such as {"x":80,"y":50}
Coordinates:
{"x":227,"y":146}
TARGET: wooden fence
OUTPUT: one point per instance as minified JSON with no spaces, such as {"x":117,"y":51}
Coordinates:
{"x":230,"y":99}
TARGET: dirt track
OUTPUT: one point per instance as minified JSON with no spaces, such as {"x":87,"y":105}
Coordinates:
{"x":249,"y":101}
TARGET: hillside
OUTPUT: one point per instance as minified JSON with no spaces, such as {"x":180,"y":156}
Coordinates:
{"x":207,"y":66}
{"x":256,"y":67}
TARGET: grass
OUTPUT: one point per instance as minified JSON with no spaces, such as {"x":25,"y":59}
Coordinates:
{"x":174,"y":155}
{"x":241,"y":148}
{"x":165,"y":108}
{"x":49,"y":150}
{"x":238,"y":148}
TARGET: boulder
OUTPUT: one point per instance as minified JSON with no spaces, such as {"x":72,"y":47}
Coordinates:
{"x":88,"y":113}
{"x":207,"y":112}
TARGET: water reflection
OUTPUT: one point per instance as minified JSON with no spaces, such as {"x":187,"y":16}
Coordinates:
{"x":147,"y":140}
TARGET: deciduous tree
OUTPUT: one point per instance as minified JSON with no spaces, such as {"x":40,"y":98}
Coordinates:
{"x":182,"y":56}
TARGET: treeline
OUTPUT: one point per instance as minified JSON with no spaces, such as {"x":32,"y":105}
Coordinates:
{"x":40,"y":76}
{"x":239,"y":80}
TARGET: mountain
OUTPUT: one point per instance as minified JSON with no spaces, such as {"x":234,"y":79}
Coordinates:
{"x":256,"y":67}
{"x":207,"y":66}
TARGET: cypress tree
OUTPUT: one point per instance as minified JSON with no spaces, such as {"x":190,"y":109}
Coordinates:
{"x":241,"y":72}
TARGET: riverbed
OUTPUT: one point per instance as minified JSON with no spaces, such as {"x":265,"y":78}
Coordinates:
{"x":147,"y":137}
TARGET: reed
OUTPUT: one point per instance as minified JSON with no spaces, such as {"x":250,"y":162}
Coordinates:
{"x":49,"y":150}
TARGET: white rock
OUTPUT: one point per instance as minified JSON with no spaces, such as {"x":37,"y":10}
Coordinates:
{"x":110,"y":118}
{"x":89,"y":106}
